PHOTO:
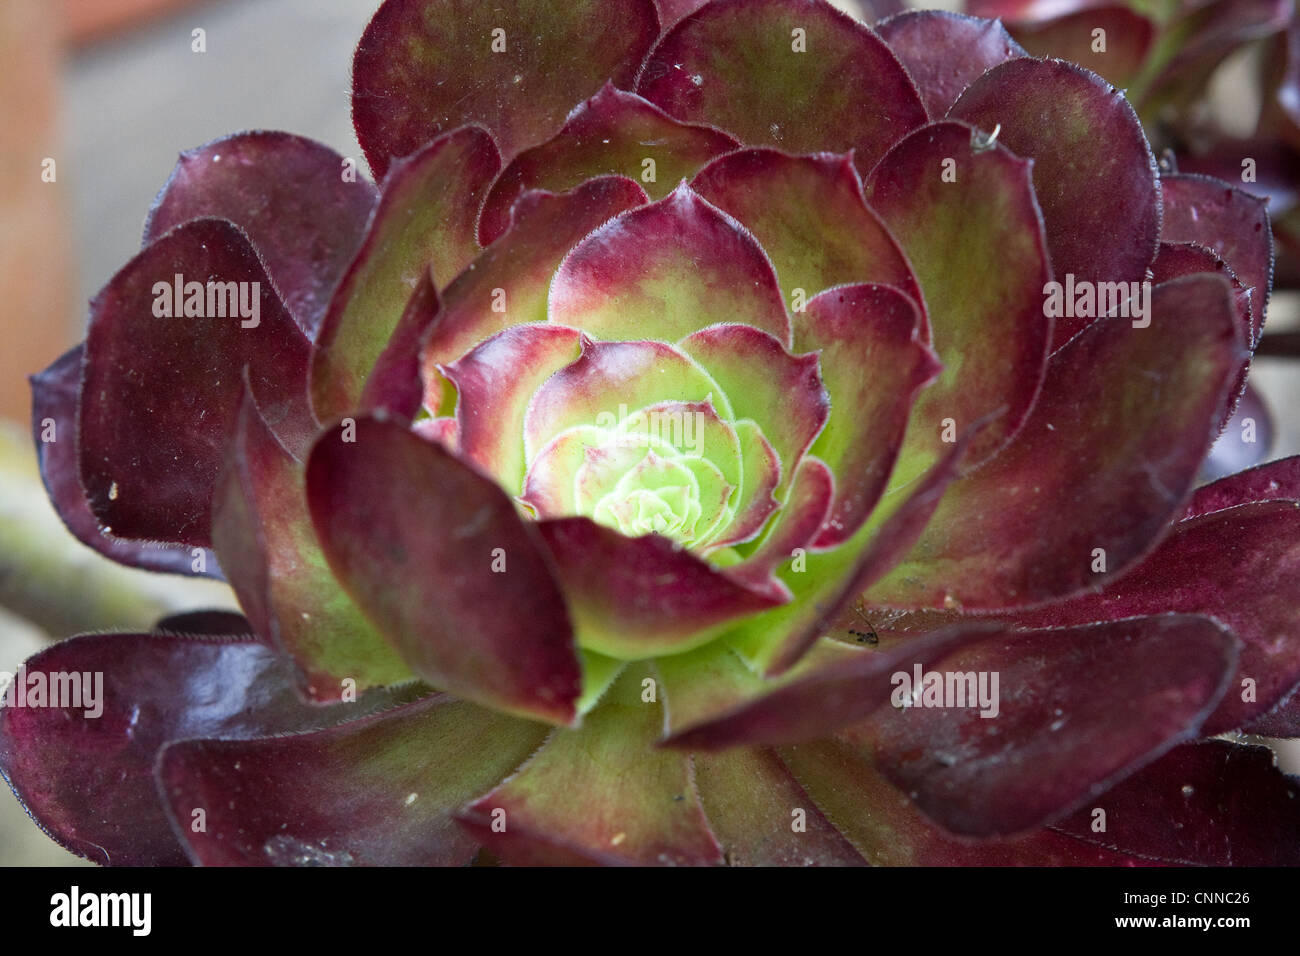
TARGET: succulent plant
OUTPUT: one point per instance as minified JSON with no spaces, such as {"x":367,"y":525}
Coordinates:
{"x":727,"y":434}
{"x":1166,"y":56}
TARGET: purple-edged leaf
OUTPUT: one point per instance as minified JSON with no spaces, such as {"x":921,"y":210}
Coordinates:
{"x":752,"y":802}
{"x":809,"y":215}
{"x":826,"y":696}
{"x":1018,"y":729}
{"x":667,"y":270}
{"x":291,"y":195}
{"x":440,"y":430}
{"x":1189,"y":258}
{"x":855,"y":328}
{"x":55,"y":393}
{"x":1229,"y":221}
{"x":1106,"y":460}
{"x":796,"y":525}
{"x":800,"y":76}
{"x":84,"y":770}
{"x":263,"y":531}
{"x":424,"y":67}
{"x":551,"y":485}
{"x":639,"y":805}
{"x":946,"y":52}
{"x":888,"y":829}
{"x":637,"y":597}
{"x":1125,"y":42}
{"x":394,"y":384}
{"x":445,"y":568}
{"x":831,"y":582}
{"x":381,"y":791}
{"x":1276,"y":479}
{"x":582,"y":465}
{"x":1212,"y":803}
{"x":163,"y":379}
{"x":1240,"y":566}
{"x":425,"y":222}
{"x":1094,"y":175}
{"x":764,"y":382}
{"x":607,"y":375}
{"x":614,"y":133}
{"x":1177,"y":259}
{"x":493,"y":385}
{"x":762,"y":472}
{"x":977,"y":247}
{"x":509,"y":281}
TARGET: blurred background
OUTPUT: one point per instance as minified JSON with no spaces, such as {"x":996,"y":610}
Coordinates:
{"x":111,"y":91}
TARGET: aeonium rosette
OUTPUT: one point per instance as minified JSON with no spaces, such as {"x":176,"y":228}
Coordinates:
{"x":594,"y":486}
{"x":715,"y":436}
